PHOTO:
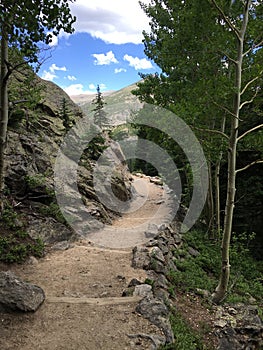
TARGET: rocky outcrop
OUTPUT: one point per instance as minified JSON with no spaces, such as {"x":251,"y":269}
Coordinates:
{"x":33,"y":143}
{"x":17,"y":295}
{"x":239,"y":327}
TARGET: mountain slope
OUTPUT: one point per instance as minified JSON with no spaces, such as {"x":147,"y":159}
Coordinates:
{"x":119,"y":104}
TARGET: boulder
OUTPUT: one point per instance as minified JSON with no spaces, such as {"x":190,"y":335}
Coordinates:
{"x":140,"y":258}
{"x":157,"y":313}
{"x":18,"y":295}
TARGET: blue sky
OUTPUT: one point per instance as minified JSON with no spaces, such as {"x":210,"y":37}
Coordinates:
{"x":106,"y":48}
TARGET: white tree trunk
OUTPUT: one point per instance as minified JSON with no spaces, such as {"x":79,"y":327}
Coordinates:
{"x":3,"y":105}
{"x":221,"y":289}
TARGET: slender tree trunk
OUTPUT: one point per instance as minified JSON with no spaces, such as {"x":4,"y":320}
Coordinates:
{"x":217,"y":185}
{"x":210,"y":204}
{"x":221,"y":289}
{"x":3,"y":105}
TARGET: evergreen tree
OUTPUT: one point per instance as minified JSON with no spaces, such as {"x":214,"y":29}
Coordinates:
{"x":66,"y":115}
{"x":100,"y":116}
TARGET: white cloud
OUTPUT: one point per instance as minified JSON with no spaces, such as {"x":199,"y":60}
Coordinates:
{"x":119,"y":70}
{"x":48,"y":76}
{"x":138,"y":63}
{"x":54,"y":40}
{"x":77,"y":89}
{"x":71,"y":77}
{"x":92,"y":87}
{"x":54,"y":67}
{"x":115,"y":22}
{"x":104,"y":59}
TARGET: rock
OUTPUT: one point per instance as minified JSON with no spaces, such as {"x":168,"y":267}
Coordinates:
{"x":220,"y":323}
{"x":161,"y":281}
{"x":32,"y":260}
{"x":241,"y":327}
{"x":18,"y":295}
{"x":152,"y":231}
{"x":152,"y":243}
{"x":143,"y":290}
{"x":152,"y":308}
{"x":157,"y":313}
{"x":156,"y":180}
{"x":157,"y":261}
{"x":177,"y":239}
{"x":63,"y":245}
{"x":162,"y":227}
{"x":203,"y":292}
{"x":48,"y":229}
{"x":157,"y":254}
{"x":134,"y":282}
{"x":228,"y":340}
{"x":164,"y":247}
{"x":140,"y":258}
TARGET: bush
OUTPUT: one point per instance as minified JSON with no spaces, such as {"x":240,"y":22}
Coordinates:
{"x":15,"y":243}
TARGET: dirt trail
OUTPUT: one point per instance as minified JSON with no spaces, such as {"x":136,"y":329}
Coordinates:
{"x":84,"y":307}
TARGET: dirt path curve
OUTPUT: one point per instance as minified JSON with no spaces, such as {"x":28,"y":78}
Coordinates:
{"x":84,"y":307}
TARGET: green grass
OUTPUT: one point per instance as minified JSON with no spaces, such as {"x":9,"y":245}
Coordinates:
{"x":15,"y":243}
{"x":203,"y":271}
{"x":185,"y":337}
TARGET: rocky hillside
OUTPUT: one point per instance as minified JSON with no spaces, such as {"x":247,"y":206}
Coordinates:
{"x":35,"y":134}
{"x":119,"y":104}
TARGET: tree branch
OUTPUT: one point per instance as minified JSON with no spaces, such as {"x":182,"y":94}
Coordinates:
{"x":224,"y":109}
{"x":228,"y":57}
{"x":249,"y":165}
{"x":249,"y":131}
{"x":248,"y":102}
{"x":253,"y":47}
{"x":226,"y":19}
{"x":212,"y":131}
{"x":251,"y":82}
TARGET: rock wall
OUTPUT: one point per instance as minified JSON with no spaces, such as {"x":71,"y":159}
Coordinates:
{"x":236,"y":326}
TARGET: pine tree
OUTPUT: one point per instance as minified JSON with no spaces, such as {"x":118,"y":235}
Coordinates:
{"x":100,"y":116}
{"x":66,"y":115}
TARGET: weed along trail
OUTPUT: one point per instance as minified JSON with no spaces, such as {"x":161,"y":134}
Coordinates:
{"x":84,"y":282}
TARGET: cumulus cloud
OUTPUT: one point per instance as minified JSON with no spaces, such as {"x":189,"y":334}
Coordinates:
{"x":119,"y":70}
{"x":77,"y":89}
{"x":51,"y":73}
{"x":48,"y":76}
{"x":104,"y":59}
{"x":54,"y":67}
{"x":92,"y":87}
{"x":115,"y":22}
{"x":138,"y":63}
{"x":71,"y":77}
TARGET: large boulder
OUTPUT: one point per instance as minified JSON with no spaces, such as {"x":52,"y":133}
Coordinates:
{"x":18,"y":295}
